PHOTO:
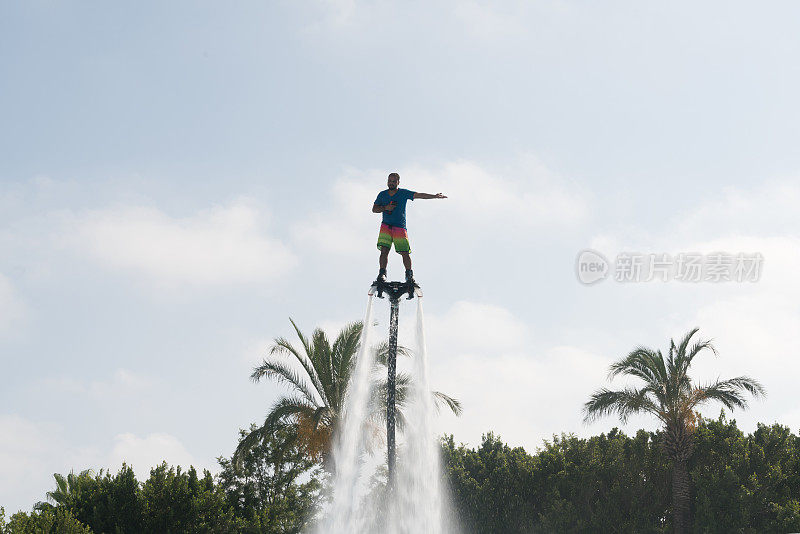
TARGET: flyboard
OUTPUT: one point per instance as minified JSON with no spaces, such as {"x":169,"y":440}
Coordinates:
{"x":394,"y":290}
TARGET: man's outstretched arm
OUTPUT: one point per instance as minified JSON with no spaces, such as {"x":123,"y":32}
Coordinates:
{"x":428,"y":195}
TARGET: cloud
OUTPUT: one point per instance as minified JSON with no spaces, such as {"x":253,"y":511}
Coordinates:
{"x":755,"y":326}
{"x":12,"y":309}
{"x":525,"y":397}
{"x":486,"y":21}
{"x":756,"y":335}
{"x":507,"y":381}
{"x":220,"y":246}
{"x":30,"y":452}
{"x":527,"y":196}
{"x":473,"y":327}
{"x":341,"y":229}
{"x":770,"y":209}
{"x":339,"y":13}
{"x":145,"y":453}
{"x":22,"y":444}
{"x":122,"y":382}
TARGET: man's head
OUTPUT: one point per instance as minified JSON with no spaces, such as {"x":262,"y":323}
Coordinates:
{"x":393,"y":181}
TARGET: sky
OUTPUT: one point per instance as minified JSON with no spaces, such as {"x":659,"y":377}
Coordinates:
{"x":179,"y":179}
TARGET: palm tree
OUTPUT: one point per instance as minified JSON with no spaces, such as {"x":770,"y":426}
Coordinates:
{"x":67,"y":489}
{"x":669,"y":395}
{"x":318,"y":374}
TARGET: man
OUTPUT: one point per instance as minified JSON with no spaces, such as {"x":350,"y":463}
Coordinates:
{"x":392,"y":203}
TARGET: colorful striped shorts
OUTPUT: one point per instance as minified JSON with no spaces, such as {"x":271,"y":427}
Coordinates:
{"x":393,"y":234}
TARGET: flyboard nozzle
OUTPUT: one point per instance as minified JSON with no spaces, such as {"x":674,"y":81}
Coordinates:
{"x":395,"y":290}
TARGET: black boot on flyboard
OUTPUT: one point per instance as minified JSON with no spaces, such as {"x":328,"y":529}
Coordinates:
{"x":395,"y":289}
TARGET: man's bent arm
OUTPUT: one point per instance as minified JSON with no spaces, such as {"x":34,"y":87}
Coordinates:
{"x":377,"y":208}
{"x":428,"y":195}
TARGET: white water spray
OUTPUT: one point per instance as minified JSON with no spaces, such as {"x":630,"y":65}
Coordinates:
{"x":416,"y":504}
{"x":344,"y":514}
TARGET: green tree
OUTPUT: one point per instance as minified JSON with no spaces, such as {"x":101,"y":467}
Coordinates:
{"x":43,"y":521}
{"x":319,"y":374}
{"x":745,"y":483}
{"x":669,"y":395}
{"x":606,"y":483}
{"x":170,"y":500}
{"x":67,"y":489}
{"x":103,"y":502}
{"x":276,"y":488}
{"x":177,"y":501}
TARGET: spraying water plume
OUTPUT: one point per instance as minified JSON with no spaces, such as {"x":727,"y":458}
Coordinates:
{"x":411,"y":498}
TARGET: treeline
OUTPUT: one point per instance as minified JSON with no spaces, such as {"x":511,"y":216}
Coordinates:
{"x":615,"y":483}
{"x":274,"y":490}
{"x":606,"y":483}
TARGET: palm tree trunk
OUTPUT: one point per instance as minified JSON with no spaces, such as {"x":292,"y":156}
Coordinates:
{"x":680,"y":496}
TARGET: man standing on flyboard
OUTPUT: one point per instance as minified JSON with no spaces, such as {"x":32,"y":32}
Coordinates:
{"x":392,"y":203}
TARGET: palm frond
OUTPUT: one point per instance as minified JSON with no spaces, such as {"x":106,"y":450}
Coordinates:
{"x":696,"y":349}
{"x":322,"y":360}
{"x":287,"y":408}
{"x":681,"y":349}
{"x":729,"y":392}
{"x":303,"y":339}
{"x":283,"y":347}
{"x":382,"y":351}
{"x":624,"y":403}
{"x":343,"y":352}
{"x":251,"y":440}
{"x":283,"y":373}
{"x":641,"y":363}
{"x":442,"y":399}
{"x":680,"y":362}
{"x":61,"y":483}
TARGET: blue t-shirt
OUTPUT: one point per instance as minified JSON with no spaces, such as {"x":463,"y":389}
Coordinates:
{"x":397,"y":217}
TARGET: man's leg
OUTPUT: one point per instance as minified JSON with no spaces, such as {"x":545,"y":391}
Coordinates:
{"x":407,"y":263}
{"x":383,"y":260}
{"x":384,"y":244}
{"x":403,"y":247}
{"x":406,"y":260}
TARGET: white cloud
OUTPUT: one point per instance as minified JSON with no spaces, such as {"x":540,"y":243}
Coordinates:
{"x":339,"y":12}
{"x":142,"y":454}
{"x":222,"y":245}
{"x":528,"y":195}
{"x":486,"y":21}
{"x":488,"y":359}
{"x":12,"y":309}
{"x":770,"y":209}
{"x":30,"y":453}
{"x":122,"y":382}
{"x":756,"y":335}
{"x":755,"y":326}
{"x":22,"y":443}
{"x":525,"y":397}
{"x":342,"y":228}
{"x":472,"y":327}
